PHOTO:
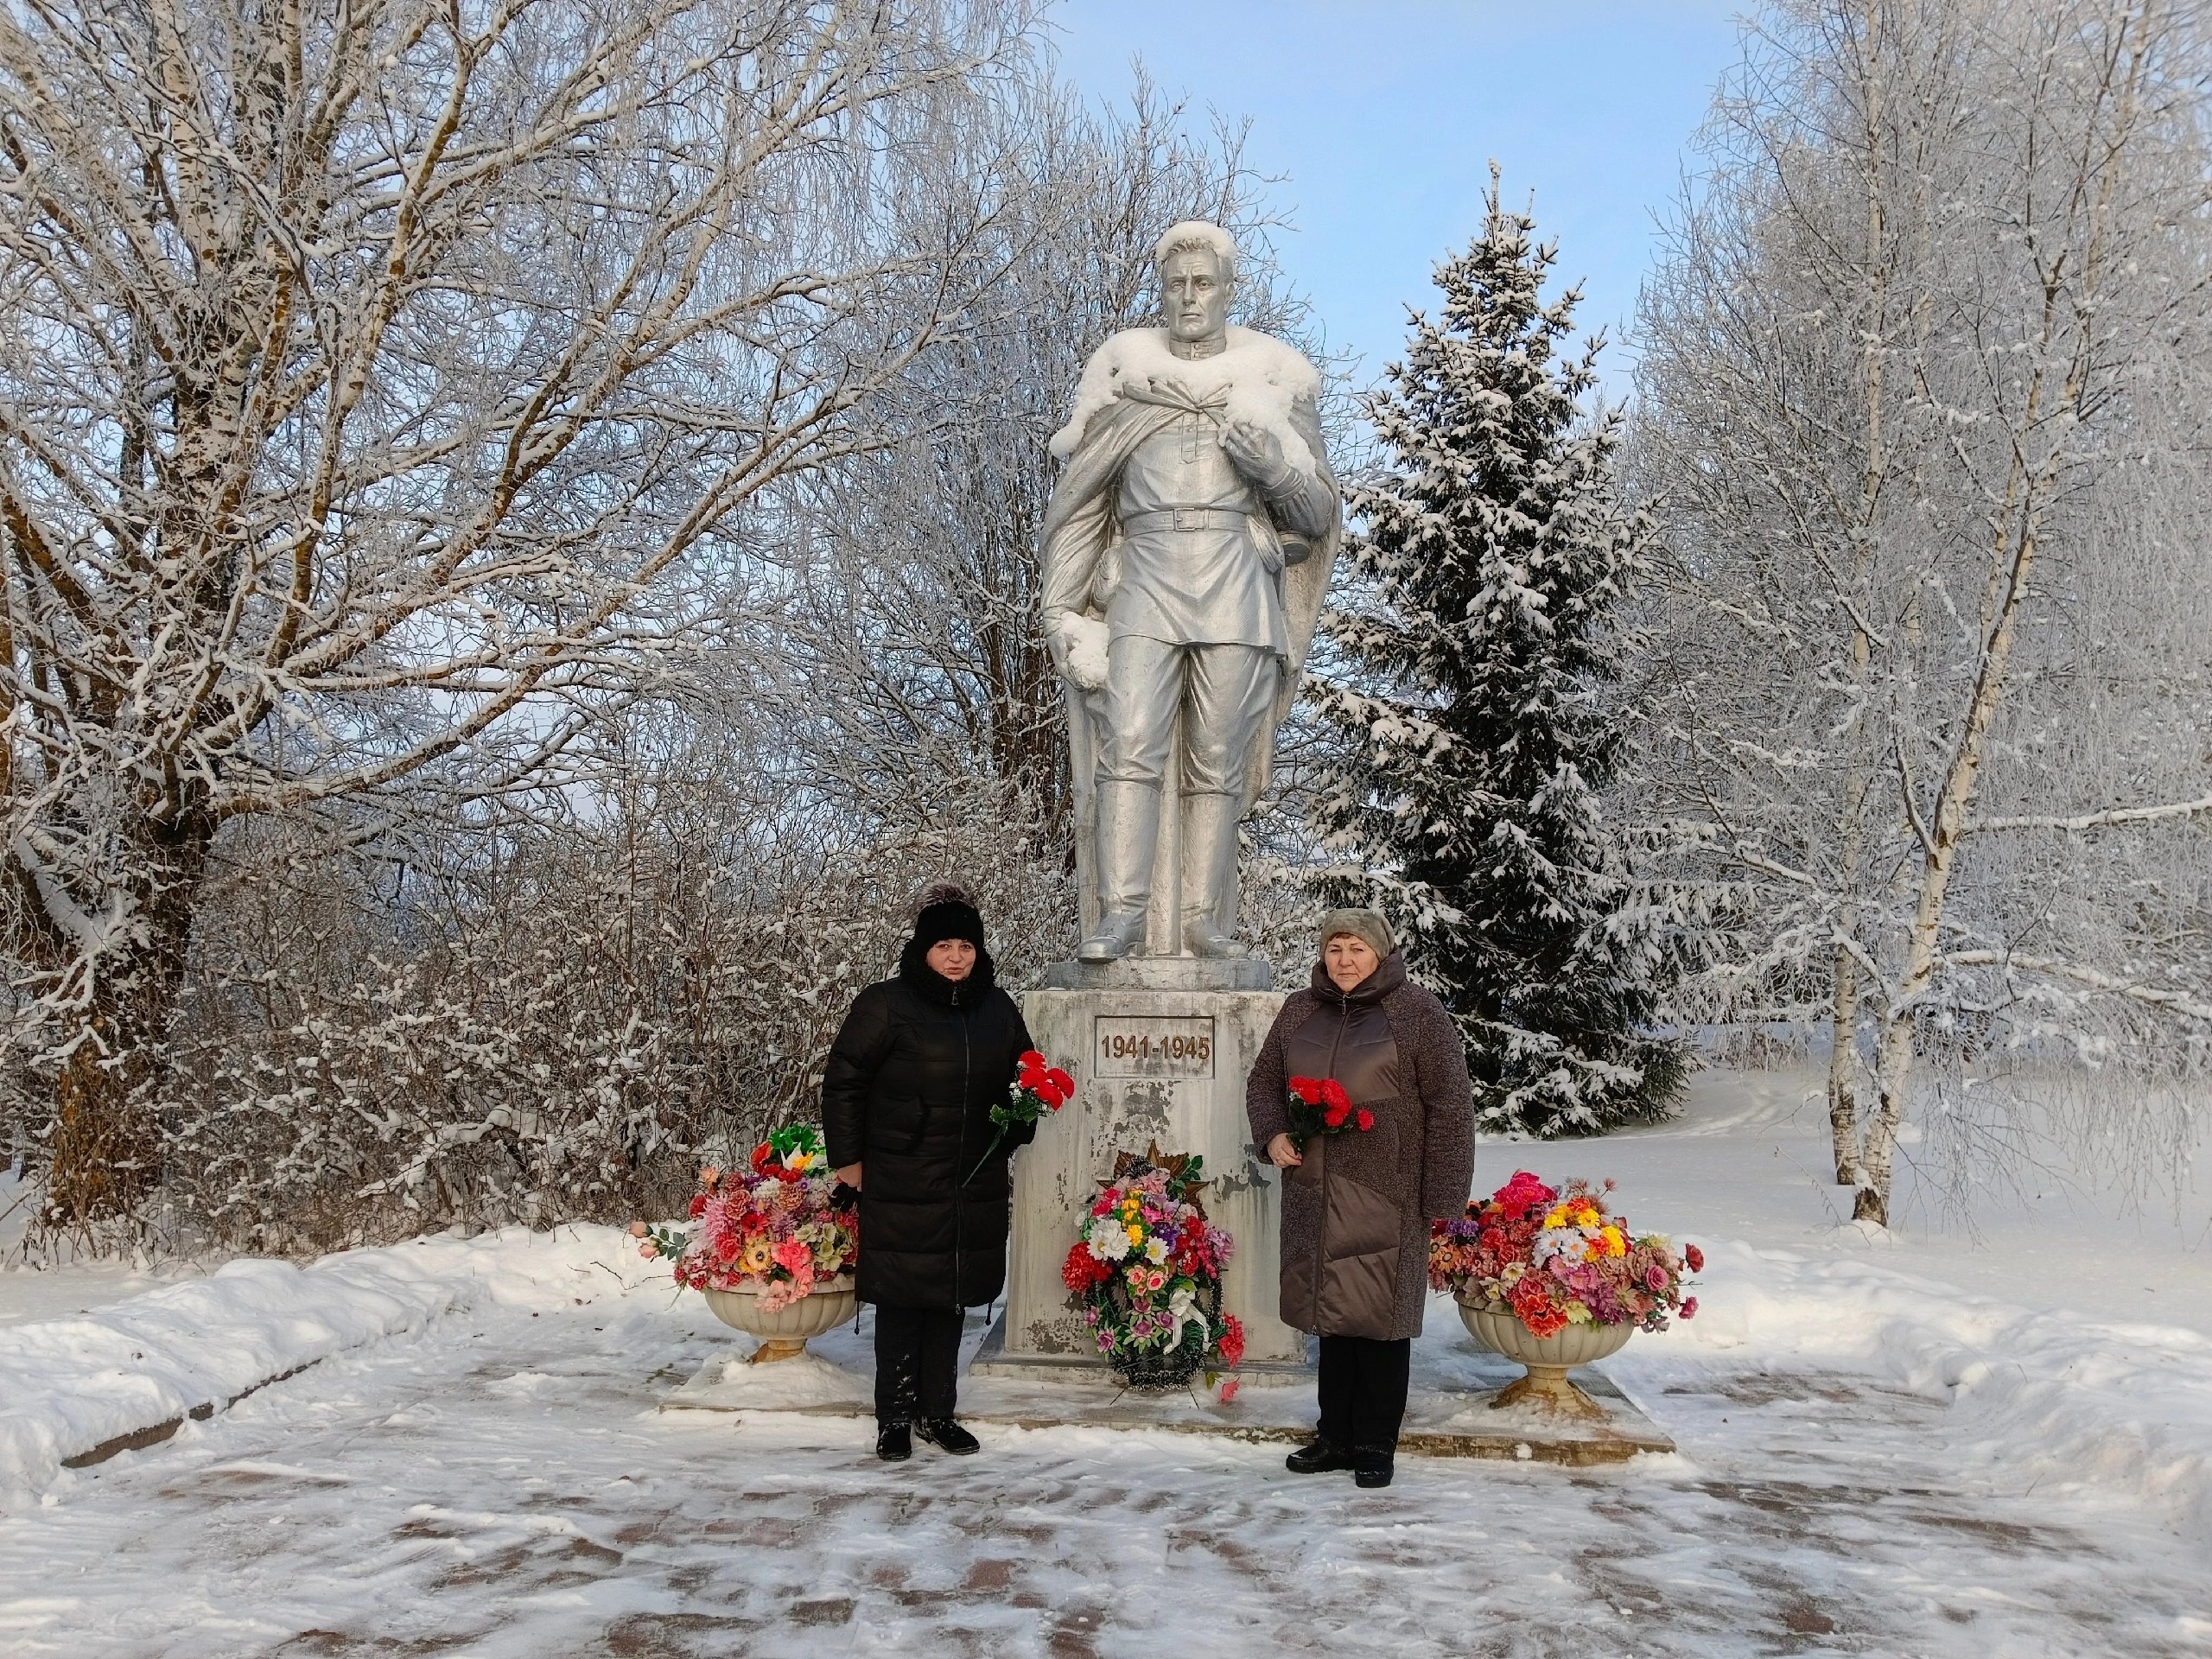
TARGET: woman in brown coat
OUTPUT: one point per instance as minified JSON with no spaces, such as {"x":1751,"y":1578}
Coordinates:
{"x":1356,"y":1204}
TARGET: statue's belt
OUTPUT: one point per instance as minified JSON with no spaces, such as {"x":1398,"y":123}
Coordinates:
{"x":1136,"y":524}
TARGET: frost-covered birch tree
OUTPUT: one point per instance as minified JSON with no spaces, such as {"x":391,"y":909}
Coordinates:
{"x":1916,"y":378}
{"x":376,"y":381}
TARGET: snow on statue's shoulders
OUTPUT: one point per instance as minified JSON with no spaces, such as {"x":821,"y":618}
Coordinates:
{"x":1263,"y":378}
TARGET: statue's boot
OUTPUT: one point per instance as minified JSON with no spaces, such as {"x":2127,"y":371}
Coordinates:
{"x":1128,"y":825}
{"x":1208,"y":872}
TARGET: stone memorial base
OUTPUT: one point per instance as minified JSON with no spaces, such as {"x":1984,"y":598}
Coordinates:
{"x":992,"y":1359}
{"x":1450,"y":1414}
{"x":1159,"y":1047}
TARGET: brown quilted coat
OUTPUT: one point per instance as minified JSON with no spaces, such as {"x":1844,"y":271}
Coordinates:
{"x":1356,"y":1213}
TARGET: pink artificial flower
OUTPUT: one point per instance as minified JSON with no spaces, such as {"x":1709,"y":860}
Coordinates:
{"x":1230,"y":1385}
{"x":725,"y":1236}
{"x":794,"y":1258}
{"x":1689,"y":1307}
{"x":1655,"y":1277}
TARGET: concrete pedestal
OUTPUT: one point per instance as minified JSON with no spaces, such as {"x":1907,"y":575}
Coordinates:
{"x":1454,"y":1411}
{"x":1159,"y":1049}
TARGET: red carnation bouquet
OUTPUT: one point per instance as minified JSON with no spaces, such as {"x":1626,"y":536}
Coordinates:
{"x":1039,"y":1089}
{"x":1320,"y":1106}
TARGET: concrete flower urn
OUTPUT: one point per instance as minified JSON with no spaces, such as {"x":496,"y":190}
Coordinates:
{"x":1548,"y":1359}
{"x":784,"y":1334}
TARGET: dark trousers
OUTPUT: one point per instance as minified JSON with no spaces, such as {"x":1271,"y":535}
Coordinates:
{"x":1363,"y":1390}
{"x":917,"y":1355}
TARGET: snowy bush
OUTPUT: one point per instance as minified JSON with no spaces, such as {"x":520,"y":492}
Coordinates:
{"x":561,"y":1035}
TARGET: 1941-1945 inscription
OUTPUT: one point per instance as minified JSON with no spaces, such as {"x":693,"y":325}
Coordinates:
{"x":1148,"y":1045}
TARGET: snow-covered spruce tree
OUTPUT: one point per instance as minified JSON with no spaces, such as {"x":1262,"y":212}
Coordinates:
{"x":1469,"y":683}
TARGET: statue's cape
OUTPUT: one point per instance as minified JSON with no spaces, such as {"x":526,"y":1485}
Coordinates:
{"x":1080,"y":528}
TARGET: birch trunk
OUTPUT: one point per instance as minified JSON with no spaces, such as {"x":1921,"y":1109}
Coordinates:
{"x":2069,"y":340}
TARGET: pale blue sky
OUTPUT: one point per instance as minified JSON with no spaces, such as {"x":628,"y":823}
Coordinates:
{"x":1383,"y":115}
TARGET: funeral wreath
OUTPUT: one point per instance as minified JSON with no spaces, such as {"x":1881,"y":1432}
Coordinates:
{"x":1145,"y":1273}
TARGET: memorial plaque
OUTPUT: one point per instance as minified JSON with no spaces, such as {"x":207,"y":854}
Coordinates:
{"x":1152,"y":1046}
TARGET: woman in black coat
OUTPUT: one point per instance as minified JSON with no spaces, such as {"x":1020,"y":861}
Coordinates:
{"x":906,"y":1114}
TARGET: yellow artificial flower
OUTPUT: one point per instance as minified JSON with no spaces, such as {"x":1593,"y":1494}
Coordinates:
{"x":756,"y":1257}
{"x":1610,"y":1240}
{"x":1136,"y":1233}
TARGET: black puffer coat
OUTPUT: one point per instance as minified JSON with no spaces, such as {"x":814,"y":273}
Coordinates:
{"x":916,"y":1068}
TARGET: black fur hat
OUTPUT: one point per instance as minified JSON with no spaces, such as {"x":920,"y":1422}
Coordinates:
{"x":946,"y":912}
{"x":947,"y":918}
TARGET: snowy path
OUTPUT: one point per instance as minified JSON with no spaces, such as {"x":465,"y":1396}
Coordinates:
{"x":1912,"y":1448}
{"x":499,"y":1484}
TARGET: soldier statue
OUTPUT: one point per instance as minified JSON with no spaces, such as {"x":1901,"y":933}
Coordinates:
{"x":1186,"y":552}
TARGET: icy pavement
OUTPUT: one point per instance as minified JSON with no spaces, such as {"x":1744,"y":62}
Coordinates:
{"x":501,"y":1484}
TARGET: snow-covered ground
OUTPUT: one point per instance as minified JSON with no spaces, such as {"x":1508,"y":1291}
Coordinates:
{"x":29,"y":1294}
{"x":1914,"y":1445}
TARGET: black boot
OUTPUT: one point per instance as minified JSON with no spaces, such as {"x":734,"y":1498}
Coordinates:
{"x":1371,"y":1466}
{"x":1318,"y":1459}
{"x":893,"y":1442}
{"x":948,"y":1436}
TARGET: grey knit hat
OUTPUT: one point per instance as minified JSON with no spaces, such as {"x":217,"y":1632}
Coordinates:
{"x":1366,"y":924}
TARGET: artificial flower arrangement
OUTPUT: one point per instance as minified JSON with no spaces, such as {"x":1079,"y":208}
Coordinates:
{"x":1320,"y":1106}
{"x":783,"y":1231}
{"x":1039,"y":1089}
{"x":1557,"y":1258}
{"x":1145,"y":1273}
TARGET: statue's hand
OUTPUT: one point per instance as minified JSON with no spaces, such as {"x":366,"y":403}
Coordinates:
{"x":1258,"y":452}
{"x":1078,"y":646}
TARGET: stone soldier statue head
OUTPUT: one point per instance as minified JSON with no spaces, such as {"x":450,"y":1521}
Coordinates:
{"x":1197,"y":266}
